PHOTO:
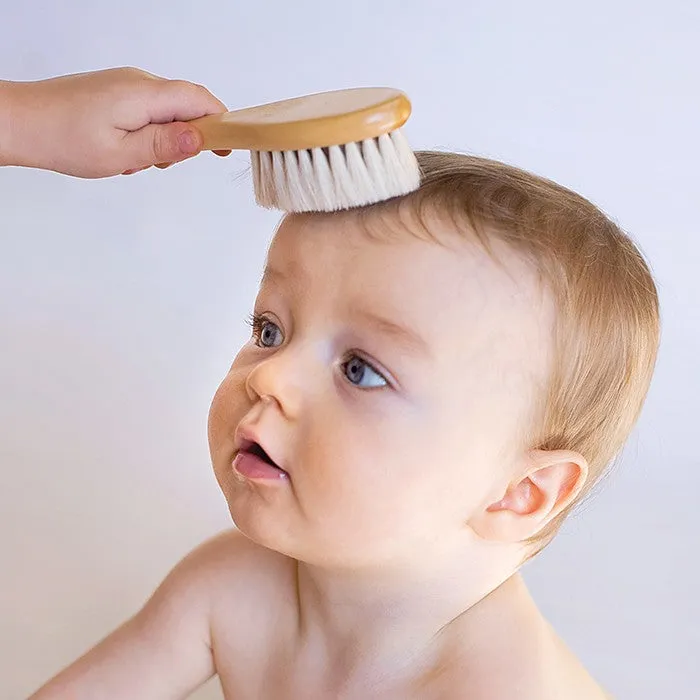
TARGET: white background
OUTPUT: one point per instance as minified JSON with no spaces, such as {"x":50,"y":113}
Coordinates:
{"x":122,"y":301}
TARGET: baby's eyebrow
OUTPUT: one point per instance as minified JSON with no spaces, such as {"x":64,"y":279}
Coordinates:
{"x":407,"y":337}
{"x":411,"y":340}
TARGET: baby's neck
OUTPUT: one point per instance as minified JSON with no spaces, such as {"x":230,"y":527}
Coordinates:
{"x":387,"y":622}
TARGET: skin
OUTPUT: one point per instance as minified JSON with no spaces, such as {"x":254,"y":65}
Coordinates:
{"x":103,"y":123}
{"x":384,"y":565}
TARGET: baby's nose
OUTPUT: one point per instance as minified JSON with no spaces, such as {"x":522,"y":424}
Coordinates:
{"x":279,"y":379}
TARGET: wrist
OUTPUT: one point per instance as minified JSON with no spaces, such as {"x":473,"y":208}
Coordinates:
{"x":10,"y":123}
{"x":7,"y":123}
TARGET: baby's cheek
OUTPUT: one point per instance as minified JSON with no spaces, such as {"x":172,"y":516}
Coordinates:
{"x":226,"y":407}
{"x":216,"y":416}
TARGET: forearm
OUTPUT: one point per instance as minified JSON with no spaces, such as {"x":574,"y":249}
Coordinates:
{"x":27,"y":113}
{"x":9,"y":120}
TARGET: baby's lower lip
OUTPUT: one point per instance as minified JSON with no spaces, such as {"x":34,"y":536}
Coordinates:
{"x":252,"y":467}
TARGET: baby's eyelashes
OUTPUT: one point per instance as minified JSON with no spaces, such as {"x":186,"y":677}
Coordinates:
{"x":266,"y":333}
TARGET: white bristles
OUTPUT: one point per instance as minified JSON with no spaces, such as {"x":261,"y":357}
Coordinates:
{"x":262,"y":169}
{"x":304,"y":174}
{"x":279,"y":180}
{"x":323,"y":181}
{"x":341,"y":176}
{"x":375,"y":167}
{"x":337,"y":177}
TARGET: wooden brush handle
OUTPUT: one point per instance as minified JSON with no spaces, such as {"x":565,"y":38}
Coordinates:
{"x":323,"y":119}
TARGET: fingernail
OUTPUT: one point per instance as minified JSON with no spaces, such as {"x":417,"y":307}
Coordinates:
{"x":188,"y":142}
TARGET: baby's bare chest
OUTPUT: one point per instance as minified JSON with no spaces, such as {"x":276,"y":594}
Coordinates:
{"x":270,"y":677}
{"x":275,"y":687}
{"x":272,"y":672}
{"x":269,"y":674}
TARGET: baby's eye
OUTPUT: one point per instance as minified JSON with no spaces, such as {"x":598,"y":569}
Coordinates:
{"x":362,"y":374}
{"x":266,"y":333}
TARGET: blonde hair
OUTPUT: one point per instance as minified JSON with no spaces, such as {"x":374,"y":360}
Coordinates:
{"x":607,"y":326}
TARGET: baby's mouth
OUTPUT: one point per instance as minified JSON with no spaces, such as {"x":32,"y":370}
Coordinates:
{"x":256,"y":449}
{"x":254,"y":462}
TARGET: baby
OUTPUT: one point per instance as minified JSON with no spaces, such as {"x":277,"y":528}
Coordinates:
{"x":431,"y":384}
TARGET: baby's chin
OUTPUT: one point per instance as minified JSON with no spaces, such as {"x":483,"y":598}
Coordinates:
{"x":262,"y":517}
{"x":271,"y":525}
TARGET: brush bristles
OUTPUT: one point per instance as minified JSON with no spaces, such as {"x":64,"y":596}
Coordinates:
{"x":338,"y":177}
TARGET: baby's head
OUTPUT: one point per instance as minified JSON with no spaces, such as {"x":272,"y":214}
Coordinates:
{"x":448,"y":371}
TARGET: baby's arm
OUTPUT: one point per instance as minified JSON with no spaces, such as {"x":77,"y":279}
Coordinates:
{"x":162,"y":653}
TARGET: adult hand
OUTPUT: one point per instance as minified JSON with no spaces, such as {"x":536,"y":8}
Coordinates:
{"x":103,"y":123}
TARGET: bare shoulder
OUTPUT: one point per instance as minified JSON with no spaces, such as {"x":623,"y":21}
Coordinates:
{"x":569,"y":676}
{"x":511,"y":651}
{"x":235,"y":569}
{"x":556,"y":672}
{"x":231,"y":553}
{"x":251,"y":591}
{"x":526,"y":674}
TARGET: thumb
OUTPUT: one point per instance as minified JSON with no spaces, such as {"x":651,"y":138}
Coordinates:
{"x":161,"y":143}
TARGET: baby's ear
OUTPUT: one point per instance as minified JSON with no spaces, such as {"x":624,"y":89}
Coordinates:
{"x":551,"y":481}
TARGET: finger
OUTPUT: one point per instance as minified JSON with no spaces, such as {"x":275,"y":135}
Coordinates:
{"x":178,"y":100}
{"x":222,"y":153}
{"x":132,"y":171}
{"x":131,"y":72}
{"x":163,"y":166}
{"x":160,"y":143}
{"x":148,"y":74}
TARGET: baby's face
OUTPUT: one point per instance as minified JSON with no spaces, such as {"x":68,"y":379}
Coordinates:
{"x":390,"y":379}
